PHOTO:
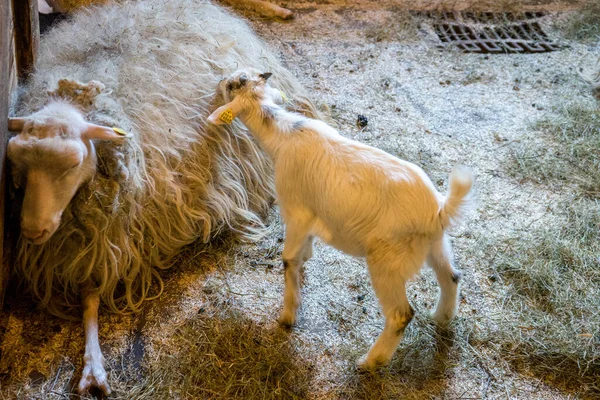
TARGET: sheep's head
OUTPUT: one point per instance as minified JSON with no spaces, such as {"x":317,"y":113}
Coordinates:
{"x":243,"y":89}
{"x":52,"y":156}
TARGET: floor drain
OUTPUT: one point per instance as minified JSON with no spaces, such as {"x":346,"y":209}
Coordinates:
{"x":485,"y":32}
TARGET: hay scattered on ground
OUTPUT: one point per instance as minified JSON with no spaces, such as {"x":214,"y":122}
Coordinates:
{"x":400,"y":25}
{"x":564,"y":147}
{"x":582,"y":25}
{"x":551,"y":274}
{"x":421,"y":368}
{"x":224,"y":355}
{"x":551,"y":277}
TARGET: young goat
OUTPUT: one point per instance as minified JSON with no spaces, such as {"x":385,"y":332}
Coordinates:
{"x":354,"y":197}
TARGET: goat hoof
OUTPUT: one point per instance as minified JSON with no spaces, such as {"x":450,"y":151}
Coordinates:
{"x":285,"y":14}
{"x":366,"y":364}
{"x":362,"y":364}
{"x":287,"y":319}
{"x":441,"y":319}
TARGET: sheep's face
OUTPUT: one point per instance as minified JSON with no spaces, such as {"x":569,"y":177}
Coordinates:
{"x":241,"y":91}
{"x":52,"y":157}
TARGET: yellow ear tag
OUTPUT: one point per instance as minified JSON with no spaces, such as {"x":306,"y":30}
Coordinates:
{"x":226,"y":116}
{"x":119,"y":131}
{"x":284,"y":97}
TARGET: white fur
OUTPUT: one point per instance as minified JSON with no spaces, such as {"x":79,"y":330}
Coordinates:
{"x":44,"y":7}
{"x":55,"y":151}
{"x":356,"y":198}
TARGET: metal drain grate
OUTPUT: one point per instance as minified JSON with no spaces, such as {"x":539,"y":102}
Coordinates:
{"x":486,"y":32}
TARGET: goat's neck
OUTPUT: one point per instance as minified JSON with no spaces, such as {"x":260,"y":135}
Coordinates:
{"x":264,"y":120}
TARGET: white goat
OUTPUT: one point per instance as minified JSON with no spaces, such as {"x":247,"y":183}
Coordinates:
{"x":356,"y":198}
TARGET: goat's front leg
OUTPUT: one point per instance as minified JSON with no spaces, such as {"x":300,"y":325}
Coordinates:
{"x":295,"y":251}
{"x":94,"y":374}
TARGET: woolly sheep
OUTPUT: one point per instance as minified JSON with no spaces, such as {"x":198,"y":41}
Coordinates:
{"x":354,"y":197}
{"x":105,"y":209}
{"x":592,"y":77}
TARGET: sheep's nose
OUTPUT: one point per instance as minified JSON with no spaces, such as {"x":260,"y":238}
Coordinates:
{"x":34,"y":234}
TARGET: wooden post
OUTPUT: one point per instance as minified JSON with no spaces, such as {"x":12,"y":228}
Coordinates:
{"x":6,"y":66}
{"x":19,"y":40}
{"x":27,"y":35}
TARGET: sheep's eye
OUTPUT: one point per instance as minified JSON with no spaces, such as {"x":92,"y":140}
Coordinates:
{"x":68,"y":171}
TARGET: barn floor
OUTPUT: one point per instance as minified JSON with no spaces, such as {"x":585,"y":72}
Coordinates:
{"x":212,"y":334}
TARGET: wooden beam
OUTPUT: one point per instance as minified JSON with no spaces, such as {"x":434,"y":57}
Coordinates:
{"x":26,"y":35}
{"x":6,"y":70}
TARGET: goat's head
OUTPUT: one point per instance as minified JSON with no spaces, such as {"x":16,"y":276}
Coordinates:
{"x":243,"y":89}
{"x":52,"y":156}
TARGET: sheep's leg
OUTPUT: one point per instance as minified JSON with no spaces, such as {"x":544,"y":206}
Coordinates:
{"x":441,"y":260}
{"x":94,"y":374}
{"x":263,"y":7}
{"x":294,"y":251}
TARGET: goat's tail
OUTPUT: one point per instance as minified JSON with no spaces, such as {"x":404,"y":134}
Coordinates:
{"x":457,"y":200}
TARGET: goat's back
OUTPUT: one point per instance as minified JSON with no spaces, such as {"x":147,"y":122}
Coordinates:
{"x":354,"y":189}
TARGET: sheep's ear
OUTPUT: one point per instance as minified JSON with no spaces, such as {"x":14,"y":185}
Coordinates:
{"x":16,"y":124}
{"x":98,"y":132}
{"x":44,"y":7}
{"x":265,"y":76}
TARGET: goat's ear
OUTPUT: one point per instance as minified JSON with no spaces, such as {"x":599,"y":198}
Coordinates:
{"x":98,"y":132}
{"x":226,"y":114}
{"x":265,"y":76}
{"x":222,"y":115}
{"x":16,"y":124}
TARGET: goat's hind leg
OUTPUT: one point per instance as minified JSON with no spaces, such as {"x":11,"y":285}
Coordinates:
{"x":441,"y":260}
{"x":389,"y":277}
{"x":398,"y":313}
{"x":307,"y":252}
{"x":295,"y":251}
